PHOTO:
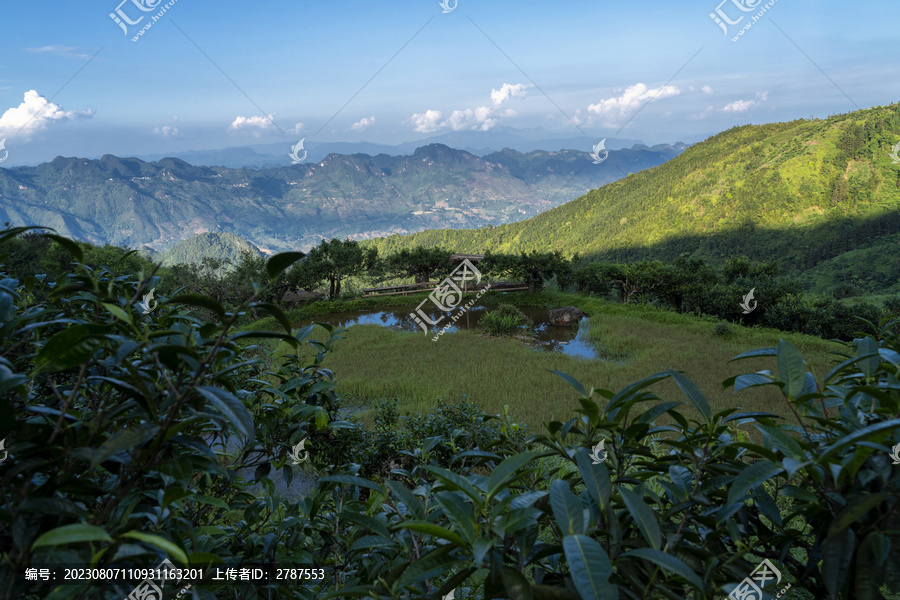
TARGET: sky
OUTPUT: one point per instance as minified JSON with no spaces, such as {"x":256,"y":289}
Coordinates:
{"x":206,"y":75}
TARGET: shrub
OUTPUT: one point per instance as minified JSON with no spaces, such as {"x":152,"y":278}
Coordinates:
{"x":723,"y":329}
{"x":506,"y":319}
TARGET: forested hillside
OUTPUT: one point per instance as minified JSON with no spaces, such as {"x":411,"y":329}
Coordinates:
{"x":802,"y":192}
{"x":223,"y":246}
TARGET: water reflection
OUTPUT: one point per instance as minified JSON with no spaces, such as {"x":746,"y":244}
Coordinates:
{"x":549,"y":338}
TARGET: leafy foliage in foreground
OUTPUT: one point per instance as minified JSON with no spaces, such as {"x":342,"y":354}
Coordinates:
{"x":133,"y":438}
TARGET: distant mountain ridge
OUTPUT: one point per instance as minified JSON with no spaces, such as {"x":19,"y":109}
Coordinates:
{"x":478,"y":143}
{"x":127,"y":201}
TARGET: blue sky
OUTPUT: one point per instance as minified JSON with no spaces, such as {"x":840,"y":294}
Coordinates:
{"x":209,"y":75}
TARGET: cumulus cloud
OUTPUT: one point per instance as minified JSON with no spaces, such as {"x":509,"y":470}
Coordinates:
{"x":363,"y":123}
{"x":706,"y":89}
{"x":35,"y":114}
{"x":480,"y":118}
{"x":614,"y":110}
{"x":61,"y":50}
{"x":255,"y":125}
{"x":507,"y":91}
{"x":739,"y":106}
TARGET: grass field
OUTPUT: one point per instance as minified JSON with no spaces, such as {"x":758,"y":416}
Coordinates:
{"x":372,"y":362}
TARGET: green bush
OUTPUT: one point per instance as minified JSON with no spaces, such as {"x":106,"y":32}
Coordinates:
{"x":506,"y":319}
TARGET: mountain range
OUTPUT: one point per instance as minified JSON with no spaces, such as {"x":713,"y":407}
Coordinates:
{"x":130,"y":202}
{"x":479,"y":143}
{"x":822,"y":196}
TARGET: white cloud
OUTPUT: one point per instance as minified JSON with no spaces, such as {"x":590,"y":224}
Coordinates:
{"x":613,"y":110}
{"x":480,"y":118}
{"x":427,"y":121}
{"x":739,"y":106}
{"x":297,"y":128}
{"x":363,"y":123}
{"x":35,"y":114}
{"x":61,"y":50}
{"x":507,"y":91}
{"x":763,"y":96}
{"x":706,"y":89}
{"x":256,"y":125}
{"x":166,"y":131}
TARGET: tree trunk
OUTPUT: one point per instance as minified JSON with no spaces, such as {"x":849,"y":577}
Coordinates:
{"x":338,"y":290}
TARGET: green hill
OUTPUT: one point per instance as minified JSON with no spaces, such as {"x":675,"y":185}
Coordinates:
{"x":804,"y":192}
{"x":211,"y":244}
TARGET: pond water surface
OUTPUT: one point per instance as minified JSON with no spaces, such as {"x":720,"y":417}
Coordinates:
{"x":552,"y":338}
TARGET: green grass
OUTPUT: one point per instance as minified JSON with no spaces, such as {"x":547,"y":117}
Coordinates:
{"x":372,"y":362}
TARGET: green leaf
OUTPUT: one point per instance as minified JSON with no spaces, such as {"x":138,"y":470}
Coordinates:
{"x":434,"y":531}
{"x":866,"y":346}
{"x":782,"y":441}
{"x":590,"y":409}
{"x":566,"y":508}
{"x":162,"y":543}
{"x":276,"y":265}
{"x":515,"y":584}
{"x":573,"y":382}
{"x":459,"y":512}
{"x":351,"y":480}
{"x":279,"y":315}
{"x":232,"y":408}
{"x":69,"y":348}
{"x":643,"y":515}
{"x":596,"y":478}
{"x":855,"y":512}
{"x":693,"y":393}
{"x":791,"y":369}
{"x":847,"y":440}
{"x":200,"y":301}
{"x":590,"y":568}
{"x":837,"y":553}
{"x":756,"y":354}
{"x":124,"y":440}
{"x":506,"y":471}
{"x":455,"y":482}
{"x":117,"y":312}
{"x":669,"y":563}
{"x":72,"y":534}
{"x":751,"y":477}
{"x":70,"y":246}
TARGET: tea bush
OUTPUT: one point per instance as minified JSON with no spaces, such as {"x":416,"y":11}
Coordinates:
{"x":111,"y":419}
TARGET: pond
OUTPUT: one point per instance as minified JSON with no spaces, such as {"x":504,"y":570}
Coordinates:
{"x":549,"y":338}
